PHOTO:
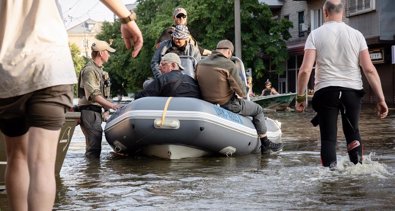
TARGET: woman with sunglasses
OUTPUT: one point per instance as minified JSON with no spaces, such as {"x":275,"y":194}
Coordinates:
{"x":177,"y":44}
{"x":180,"y":18}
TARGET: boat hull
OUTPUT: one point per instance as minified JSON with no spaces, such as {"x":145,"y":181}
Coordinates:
{"x":275,"y":102}
{"x":187,"y":122}
{"x":66,"y":133}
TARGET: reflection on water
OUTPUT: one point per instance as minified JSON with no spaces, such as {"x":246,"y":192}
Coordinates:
{"x":292,"y":180}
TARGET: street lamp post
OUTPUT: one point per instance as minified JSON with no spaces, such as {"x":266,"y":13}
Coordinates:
{"x":88,"y":25}
{"x":237,"y":30}
{"x":86,"y":45}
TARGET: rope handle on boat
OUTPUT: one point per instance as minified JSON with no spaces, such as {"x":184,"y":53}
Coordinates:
{"x":165,"y":110}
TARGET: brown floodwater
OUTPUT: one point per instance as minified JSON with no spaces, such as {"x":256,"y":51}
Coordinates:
{"x":291,"y":180}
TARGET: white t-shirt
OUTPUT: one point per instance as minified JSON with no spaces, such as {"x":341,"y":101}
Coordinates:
{"x":337,"y":60}
{"x":34,"y":50}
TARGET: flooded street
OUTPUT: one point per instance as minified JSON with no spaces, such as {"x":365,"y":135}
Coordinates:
{"x":292,"y":180}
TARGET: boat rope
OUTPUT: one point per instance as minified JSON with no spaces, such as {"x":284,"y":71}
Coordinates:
{"x":165,"y":110}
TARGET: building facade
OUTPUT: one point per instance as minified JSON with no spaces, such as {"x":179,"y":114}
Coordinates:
{"x":84,"y":34}
{"x":375,"y":19}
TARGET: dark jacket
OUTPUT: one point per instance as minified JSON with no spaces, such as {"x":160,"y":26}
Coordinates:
{"x":172,"y":84}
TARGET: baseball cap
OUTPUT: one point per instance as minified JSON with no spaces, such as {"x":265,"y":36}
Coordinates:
{"x":101,"y":46}
{"x":179,"y":10}
{"x":172,"y":57}
{"x":181,"y":32}
{"x":225,"y":44}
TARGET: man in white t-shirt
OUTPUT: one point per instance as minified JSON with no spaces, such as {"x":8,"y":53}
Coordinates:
{"x":338,"y":51}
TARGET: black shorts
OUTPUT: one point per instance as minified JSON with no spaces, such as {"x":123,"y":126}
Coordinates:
{"x":44,"y":108}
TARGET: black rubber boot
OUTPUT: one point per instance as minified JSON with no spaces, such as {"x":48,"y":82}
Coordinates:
{"x":269,"y":146}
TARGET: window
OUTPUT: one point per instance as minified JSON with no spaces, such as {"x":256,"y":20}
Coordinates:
{"x":356,"y":7}
{"x":316,"y":18}
{"x":301,"y":24}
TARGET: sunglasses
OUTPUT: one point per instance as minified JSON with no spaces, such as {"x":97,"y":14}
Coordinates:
{"x":178,"y":39}
{"x":181,"y":16}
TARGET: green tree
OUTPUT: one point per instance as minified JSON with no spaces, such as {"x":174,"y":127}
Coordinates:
{"x":263,"y":37}
{"x":78,"y":60}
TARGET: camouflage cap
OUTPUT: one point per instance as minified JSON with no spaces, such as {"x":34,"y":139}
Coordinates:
{"x":101,"y":46}
{"x":179,"y":10}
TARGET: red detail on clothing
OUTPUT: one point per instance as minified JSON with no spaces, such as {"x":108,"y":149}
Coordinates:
{"x":353,"y":145}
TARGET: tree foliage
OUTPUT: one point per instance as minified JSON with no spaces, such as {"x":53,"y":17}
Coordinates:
{"x":262,"y":37}
{"x":78,"y":61}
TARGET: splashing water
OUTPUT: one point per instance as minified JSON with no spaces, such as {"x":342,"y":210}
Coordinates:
{"x":370,"y":167}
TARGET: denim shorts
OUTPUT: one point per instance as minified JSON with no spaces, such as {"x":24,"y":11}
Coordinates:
{"x":44,"y":108}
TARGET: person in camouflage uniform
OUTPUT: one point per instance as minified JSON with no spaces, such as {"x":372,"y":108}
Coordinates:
{"x":93,"y":94}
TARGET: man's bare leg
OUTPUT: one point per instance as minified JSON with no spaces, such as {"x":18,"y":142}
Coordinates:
{"x":42,"y":148}
{"x":30,"y":174}
{"x":17,"y":173}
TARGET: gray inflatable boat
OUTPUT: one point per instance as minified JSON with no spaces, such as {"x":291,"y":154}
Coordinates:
{"x":179,"y":127}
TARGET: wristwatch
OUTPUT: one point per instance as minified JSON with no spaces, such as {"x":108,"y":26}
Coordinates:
{"x":129,"y":18}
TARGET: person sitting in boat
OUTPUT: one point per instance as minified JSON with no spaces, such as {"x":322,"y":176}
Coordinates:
{"x":269,"y":90}
{"x":220,"y":83}
{"x":180,"y":17}
{"x":178,"y":44}
{"x":172,"y":81}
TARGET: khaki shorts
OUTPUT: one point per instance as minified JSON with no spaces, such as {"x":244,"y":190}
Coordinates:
{"x":43,"y":108}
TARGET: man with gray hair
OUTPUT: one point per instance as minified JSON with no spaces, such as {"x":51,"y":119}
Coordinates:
{"x":172,"y":82}
{"x":338,"y":51}
{"x":220,"y":83}
{"x":179,"y":44}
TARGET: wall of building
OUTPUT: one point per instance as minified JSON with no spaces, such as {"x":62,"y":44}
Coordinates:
{"x":379,"y":22}
{"x":378,"y":28}
{"x":387,"y":19}
{"x":291,"y":9}
{"x":367,"y":23}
